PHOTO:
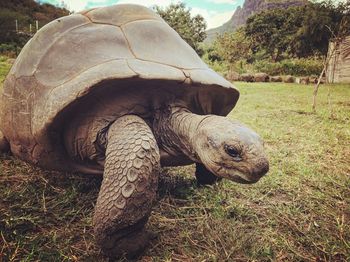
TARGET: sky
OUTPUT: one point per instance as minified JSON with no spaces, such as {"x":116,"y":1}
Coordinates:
{"x":215,"y":12}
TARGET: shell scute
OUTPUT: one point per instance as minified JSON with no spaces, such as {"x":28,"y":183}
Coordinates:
{"x":151,"y":70}
{"x":120,"y":14}
{"x":163,"y":46}
{"x":27,"y":62}
{"x":89,"y":46}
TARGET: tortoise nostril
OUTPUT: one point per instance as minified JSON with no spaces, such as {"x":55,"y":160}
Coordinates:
{"x":261,"y":168}
{"x":266,"y":168}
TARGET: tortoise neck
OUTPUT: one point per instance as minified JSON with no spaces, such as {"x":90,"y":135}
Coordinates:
{"x":176,"y":129}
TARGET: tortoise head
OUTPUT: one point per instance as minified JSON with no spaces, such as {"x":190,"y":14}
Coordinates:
{"x":231,"y":150}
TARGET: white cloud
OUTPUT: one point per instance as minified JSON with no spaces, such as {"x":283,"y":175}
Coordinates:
{"x":79,"y":5}
{"x":75,"y":5}
{"x":220,"y":18}
{"x":203,"y":12}
{"x":213,"y":18}
{"x":222,"y":1}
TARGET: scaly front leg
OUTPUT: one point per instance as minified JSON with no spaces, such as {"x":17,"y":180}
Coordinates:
{"x":128,"y":188}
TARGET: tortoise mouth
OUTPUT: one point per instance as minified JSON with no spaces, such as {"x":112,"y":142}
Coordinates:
{"x":241,"y":180}
{"x":240,"y":177}
{"x":253,"y":177}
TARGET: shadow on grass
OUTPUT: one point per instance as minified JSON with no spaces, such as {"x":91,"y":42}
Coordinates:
{"x":174,"y":185}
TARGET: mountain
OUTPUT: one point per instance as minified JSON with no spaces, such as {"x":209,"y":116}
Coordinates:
{"x":249,"y":8}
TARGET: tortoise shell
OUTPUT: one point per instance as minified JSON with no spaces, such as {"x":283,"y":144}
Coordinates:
{"x":100,"y":53}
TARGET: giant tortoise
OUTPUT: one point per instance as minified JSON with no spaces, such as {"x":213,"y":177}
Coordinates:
{"x":115,"y":91}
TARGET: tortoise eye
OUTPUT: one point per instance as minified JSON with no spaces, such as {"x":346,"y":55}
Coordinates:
{"x":233,"y":152}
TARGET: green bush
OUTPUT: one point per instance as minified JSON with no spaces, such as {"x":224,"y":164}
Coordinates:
{"x":10,"y":49}
{"x":4,"y":48}
{"x":4,"y":68}
{"x":296,"y":67}
{"x":218,"y":66}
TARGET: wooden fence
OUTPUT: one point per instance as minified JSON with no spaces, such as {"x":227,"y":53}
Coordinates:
{"x":338,"y":67}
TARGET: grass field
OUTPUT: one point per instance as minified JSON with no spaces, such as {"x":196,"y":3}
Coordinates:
{"x":299,"y":212}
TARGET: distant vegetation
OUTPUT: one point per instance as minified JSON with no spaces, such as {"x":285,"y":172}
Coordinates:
{"x":282,"y":41}
{"x":191,"y":29}
{"x":278,"y":41}
{"x":26,"y":12}
{"x":249,"y":8}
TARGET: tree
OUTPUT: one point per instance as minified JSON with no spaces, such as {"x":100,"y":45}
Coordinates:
{"x":271,"y":31}
{"x":319,"y":21}
{"x":191,"y":29}
{"x":297,"y":31}
{"x":232,"y":47}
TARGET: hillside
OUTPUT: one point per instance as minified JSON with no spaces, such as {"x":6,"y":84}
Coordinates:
{"x":25,"y":12}
{"x":249,"y":8}
{"x":30,"y":10}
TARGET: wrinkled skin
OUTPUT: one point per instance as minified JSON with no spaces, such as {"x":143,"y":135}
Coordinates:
{"x":231,"y":150}
{"x":228,"y":149}
{"x":134,"y":153}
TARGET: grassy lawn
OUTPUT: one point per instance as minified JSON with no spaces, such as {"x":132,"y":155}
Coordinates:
{"x":299,"y":212}
{"x":4,"y":68}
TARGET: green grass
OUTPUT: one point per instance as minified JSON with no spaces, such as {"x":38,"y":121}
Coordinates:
{"x":4,"y":67}
{"x":298,"y":212}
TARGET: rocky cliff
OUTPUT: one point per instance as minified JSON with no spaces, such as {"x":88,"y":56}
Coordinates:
{"x":249,"y":8}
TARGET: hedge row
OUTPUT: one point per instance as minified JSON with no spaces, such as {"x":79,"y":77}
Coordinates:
{"x":296,"y":67}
